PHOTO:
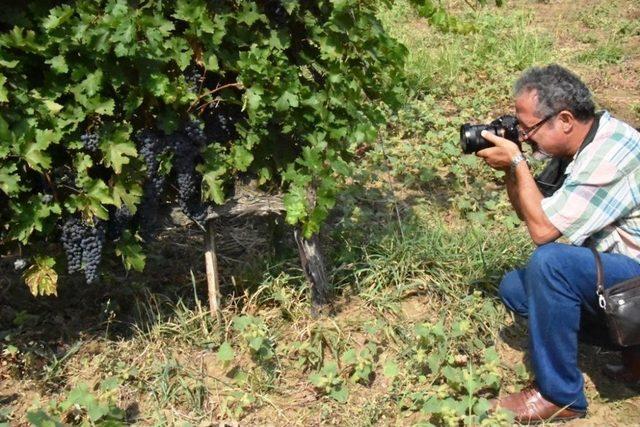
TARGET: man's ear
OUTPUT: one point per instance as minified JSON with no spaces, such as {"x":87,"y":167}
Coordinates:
{"x":566,"y":120}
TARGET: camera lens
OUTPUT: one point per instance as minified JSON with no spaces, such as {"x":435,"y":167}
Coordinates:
{"x":470,"y":139}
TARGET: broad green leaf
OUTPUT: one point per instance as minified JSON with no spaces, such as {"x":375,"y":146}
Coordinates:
{"x":285,"y":101}
{"x":242,"y":157}
{"x":117,"y":154}
{"x":127,"y":192}
{"x":249,"y":14}
{"x":110,"y":383}
{"x":212,"y":63}
{"x":41,"y":278}
{"x":52,"y":106}
{"x":295,"y":203}
{"x":57,"y":16}
{"x":130,"y":252}
{"x":256,"y":342}
{"x":349,"y":357}
{"x":225,"y":352}
{"x":340,"y":395}
{"x":9,"y":180}
{"x":30,"y":216}
{"x":34,"y":151}
{"x":58,"y":64}
{"x":213,"y":186}
{"x":390,"y":369}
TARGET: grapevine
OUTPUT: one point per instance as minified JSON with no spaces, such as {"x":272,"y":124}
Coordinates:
{"x":188,"y":95}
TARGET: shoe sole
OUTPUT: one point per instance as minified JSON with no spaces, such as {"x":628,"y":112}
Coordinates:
{"x":551,"y":420}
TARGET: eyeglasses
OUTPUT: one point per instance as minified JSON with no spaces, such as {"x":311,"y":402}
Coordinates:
{"x":526,"y":133}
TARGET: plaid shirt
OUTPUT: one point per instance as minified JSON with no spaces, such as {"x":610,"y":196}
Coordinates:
{"x":600,"y":198}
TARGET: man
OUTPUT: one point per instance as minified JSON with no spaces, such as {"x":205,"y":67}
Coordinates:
{"x":596,"y":202}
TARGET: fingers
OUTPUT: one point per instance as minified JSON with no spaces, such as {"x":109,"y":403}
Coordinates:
{"x":493,"y":138}
{"x":488,"y":152}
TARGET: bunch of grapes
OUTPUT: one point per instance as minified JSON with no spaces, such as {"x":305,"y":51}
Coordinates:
{"x":92,"y":244}
{"x":119,"y":220}
{"x":195,"y":132}
{"x":188,"y":180}
{"x":220,"y":123}
{"x":91,"y":141}
{"x":72,"y":233}
{"x":151,"y":147}
{"x":83,"y":244}
{"x":193,"y":77}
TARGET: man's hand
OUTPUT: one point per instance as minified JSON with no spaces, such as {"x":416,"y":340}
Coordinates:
{"x":500,"y":156}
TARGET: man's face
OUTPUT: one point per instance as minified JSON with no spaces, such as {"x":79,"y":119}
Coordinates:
{"x":541,"y":132}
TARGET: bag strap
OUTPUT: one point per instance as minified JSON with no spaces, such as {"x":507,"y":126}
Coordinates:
{"x":600,"y":278}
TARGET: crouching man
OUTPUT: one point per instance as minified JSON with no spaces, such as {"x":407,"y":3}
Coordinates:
{"x":595,"y":200}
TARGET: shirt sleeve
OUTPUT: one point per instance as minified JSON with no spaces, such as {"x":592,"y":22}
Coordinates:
{"x":589,"y":200}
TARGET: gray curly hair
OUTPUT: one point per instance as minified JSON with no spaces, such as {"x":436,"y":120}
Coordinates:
{"x":558,"y":89}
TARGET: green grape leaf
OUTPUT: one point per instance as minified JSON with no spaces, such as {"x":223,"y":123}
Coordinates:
{"x":295,"y":203}
{"x":242,"y":157}
{"x":127,"y":192}
{"x":30,"y":216}
{"x":118,"y":151}
{"x":9,"y":180}
{"x":34,"y":151}
{"x":285,"y":101}
{"x":41,"y":278}
{"x":250,"y":14}
{"x":58,"y":64}
{"x":100,"y":105}
{"x":212,"y":63}
{"x":130,"y":252}
{"x":57,"y":16}
{"x":213,"y":186}
{"x":52,"y":106}
{"x":3,"y":91}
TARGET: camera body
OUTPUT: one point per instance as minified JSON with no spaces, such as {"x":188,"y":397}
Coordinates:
{"x":471,"y":142}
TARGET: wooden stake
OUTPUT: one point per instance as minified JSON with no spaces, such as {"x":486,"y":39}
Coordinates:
{"x":213,"y":278}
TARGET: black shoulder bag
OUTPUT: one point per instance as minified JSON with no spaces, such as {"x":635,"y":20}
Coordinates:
{"x":621,"y":305}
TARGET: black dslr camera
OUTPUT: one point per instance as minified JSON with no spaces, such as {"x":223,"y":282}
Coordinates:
{"x":504,"y":126}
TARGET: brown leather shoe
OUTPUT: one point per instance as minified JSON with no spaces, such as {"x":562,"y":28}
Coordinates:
{"x":530,"y":407}
{"x":627,"y":372}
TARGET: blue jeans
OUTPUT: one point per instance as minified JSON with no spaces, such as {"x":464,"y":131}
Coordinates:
{"x":555,"y":292}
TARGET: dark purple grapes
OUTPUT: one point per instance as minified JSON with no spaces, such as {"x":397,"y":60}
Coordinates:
{"x":83,"y":245}
{"x":188,"y":179}
{"x":151,"y":146}
{"x":194,"y":78}
{"x":119,"y":221}
{"x":72,"y":235}
{"x":194,"y":129}
{"x":92,"y":244}
{"x":220,"y":123}
{"x":91,"y":141}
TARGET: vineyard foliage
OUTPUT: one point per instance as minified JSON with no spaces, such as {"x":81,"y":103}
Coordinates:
{"x":110,"y":109}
